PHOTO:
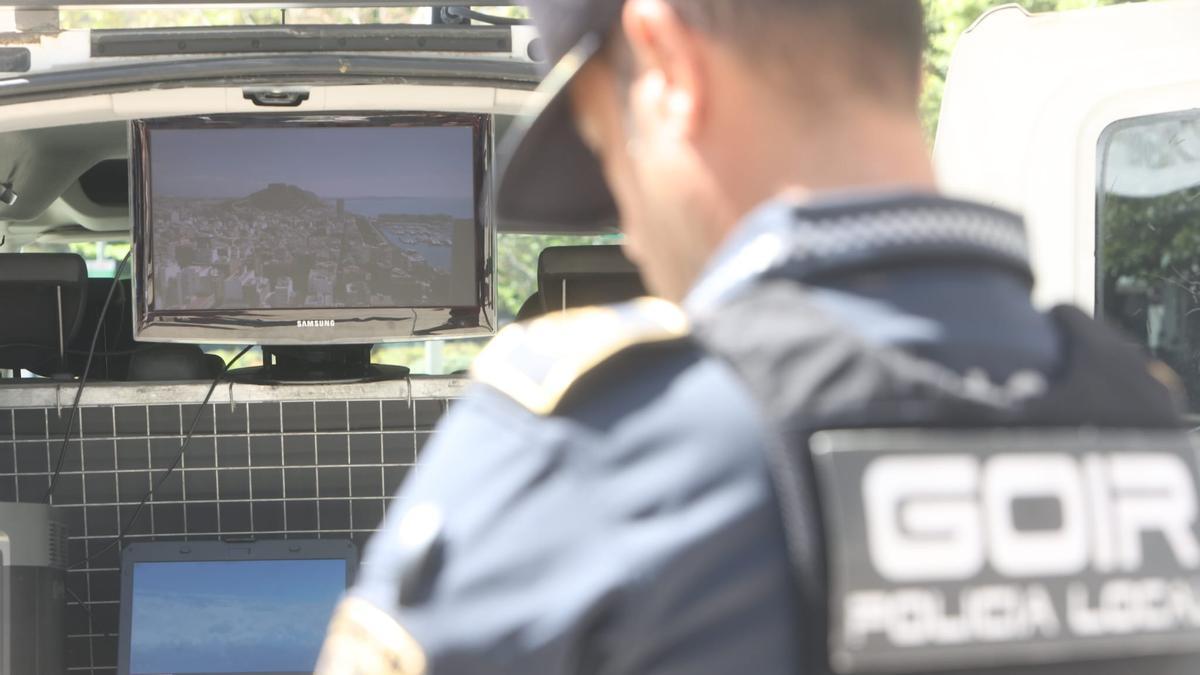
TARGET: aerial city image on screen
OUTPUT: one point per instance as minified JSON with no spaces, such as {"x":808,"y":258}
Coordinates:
{"x":312,"y":217}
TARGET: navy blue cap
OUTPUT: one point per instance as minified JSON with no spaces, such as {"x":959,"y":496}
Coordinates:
{"x":549,"y":178}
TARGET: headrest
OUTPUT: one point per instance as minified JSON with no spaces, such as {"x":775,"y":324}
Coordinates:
{"x":111,"y":360}
{"x":578,"y":276}
{"x":31,"y":284}
{"x":167,"y":362}
{"x":532,"y":308}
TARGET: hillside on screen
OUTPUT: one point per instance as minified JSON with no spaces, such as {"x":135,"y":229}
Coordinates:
{"x":312,"y":217}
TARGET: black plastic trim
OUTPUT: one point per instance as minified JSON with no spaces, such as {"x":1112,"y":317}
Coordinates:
{"x":14,"y":60}
{"x":107,"y":183}
{"x":274,"y":39}
{"x":311,"y":69}
{"x":272,"y":98}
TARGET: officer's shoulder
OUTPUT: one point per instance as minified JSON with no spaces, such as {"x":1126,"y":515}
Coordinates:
{"x":539,"y":363}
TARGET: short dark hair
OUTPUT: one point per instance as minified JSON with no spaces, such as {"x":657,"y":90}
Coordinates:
{"x":880,"y":44}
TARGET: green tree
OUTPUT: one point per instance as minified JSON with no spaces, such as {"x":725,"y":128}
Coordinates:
{"x":946,"y":20}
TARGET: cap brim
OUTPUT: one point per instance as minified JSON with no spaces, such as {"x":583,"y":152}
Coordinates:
{"x":549,"y":180}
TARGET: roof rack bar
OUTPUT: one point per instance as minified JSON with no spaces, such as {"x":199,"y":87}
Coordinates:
{"x":266,"y":39}
{"x":260,"y":4}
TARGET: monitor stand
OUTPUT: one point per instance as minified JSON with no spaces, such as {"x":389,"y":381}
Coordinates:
{"x":318,"y":363}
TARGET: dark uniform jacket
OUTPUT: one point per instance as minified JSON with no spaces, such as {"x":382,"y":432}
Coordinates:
{"x":615,"y":495}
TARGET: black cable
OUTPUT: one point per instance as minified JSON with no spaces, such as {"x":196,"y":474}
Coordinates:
{"x":86,"y":610}
{"x":87,"y":366}
{"x":104,"y":354}
{"x":498,"y":20}
{"x":464,"y":15}
{"x":120,"y":538}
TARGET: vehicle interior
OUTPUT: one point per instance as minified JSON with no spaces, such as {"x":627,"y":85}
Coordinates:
{"x":137,"y":441}
{"x":144,"y":429}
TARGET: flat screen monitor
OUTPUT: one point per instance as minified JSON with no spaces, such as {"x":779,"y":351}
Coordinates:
{"x":229,"y":608}
{"x":300,"y":229}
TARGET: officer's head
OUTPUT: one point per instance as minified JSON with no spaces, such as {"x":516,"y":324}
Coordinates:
{"x":697,"y":111}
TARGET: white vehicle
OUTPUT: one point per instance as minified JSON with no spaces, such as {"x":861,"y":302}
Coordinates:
{"x":1088,"y":123}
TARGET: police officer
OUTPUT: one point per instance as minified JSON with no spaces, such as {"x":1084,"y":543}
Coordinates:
{"x":844,"y":442}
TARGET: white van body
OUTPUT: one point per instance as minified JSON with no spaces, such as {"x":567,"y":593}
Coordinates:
{"x":1028,"y":101}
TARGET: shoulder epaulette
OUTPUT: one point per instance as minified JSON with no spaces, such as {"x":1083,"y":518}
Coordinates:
{"x":537,"y":363}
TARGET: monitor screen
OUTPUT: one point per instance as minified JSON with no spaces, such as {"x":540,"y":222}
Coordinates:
{"x":313,"y":217}
{"x":274,"y":223}
{"x":241,"y":616}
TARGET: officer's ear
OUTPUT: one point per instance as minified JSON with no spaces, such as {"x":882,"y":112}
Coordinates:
{"x":668,"y":78}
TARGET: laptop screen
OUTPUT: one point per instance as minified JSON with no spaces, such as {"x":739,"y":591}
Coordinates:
{"x":231,"y":616}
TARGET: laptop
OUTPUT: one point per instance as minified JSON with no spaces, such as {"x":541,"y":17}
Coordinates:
{"x":230,"y":608}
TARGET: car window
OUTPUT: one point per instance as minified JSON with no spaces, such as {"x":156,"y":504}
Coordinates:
{"x":102,"y":257}
{"x":1148,"y":218}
